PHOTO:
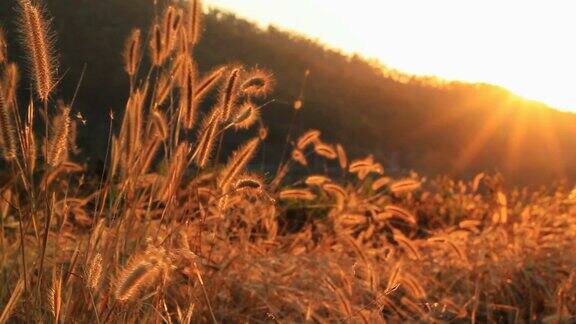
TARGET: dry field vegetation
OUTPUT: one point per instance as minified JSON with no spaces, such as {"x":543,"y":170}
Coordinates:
{"x":174,"y":231}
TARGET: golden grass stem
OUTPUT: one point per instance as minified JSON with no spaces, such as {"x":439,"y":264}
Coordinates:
{"x":12,"y":302}
{"x":206,"y":298}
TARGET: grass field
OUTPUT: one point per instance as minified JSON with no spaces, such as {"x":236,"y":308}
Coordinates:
{"x":174,"y":231}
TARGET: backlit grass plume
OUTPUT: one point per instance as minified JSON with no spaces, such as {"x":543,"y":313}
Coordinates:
{"x":7,"y":129}
{"x":316,"y":180}
{"x":237,"y":163}
{"x":258,"y":83}
{"x":169,"y":34}
{"x":208,"y":82}
{"x":35,"y":29}
{"x":297,"y":194}
{"x":3,"y":46}
{"x":246,"y":116}
{"x":207,"y":137}
{"x":94,"y":271}
{"x":176,"y":168}
{"x":338,"y":192}
{"x":58,"y":143}
{"x":187,"y":102}
{"x":194,"y":22}
{"x":131,"y":130}
{"x":229,"y":94}
{"x":342,"y":157}
{"x":10,"y":83}
{"x":402,"y":186}
{"x":55,"y":296}
{"x":309,"y":137}
{"x":248,"y":183}
{"x":325,"y":150}
{"x":298,"y":156}
{"x":29,"y":149}
{"x":140,"y":273}
{"x":132,"y":52}
{"x":156,"y":45}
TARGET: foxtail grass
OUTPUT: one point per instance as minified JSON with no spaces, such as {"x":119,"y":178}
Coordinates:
{"x":37,"y":37}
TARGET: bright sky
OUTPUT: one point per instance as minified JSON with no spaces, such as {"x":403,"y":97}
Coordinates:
{"x":524,"y":45}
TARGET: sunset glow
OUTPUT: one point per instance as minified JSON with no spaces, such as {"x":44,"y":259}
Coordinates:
{"x":525,"y":46}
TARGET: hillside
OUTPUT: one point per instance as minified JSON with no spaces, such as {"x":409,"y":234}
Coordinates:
{"x":458,"y":128}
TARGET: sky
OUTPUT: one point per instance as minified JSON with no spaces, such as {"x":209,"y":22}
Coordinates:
{"x":527,"y":46}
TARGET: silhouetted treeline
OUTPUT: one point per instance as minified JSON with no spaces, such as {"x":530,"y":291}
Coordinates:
{"x":456,"y":128}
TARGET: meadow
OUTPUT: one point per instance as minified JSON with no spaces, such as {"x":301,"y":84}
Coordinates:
{"x":175,"y":229}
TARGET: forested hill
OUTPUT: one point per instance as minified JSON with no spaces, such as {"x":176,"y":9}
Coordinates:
{"x":409,"y":123}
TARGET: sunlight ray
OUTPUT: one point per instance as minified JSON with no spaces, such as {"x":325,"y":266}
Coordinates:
{"x":475,"y":146}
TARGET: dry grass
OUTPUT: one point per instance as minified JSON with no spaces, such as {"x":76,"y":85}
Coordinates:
{"x":167,"y":234}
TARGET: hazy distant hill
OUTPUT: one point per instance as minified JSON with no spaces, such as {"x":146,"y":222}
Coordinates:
{"x":457,"y":128}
